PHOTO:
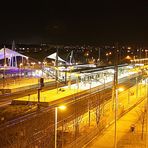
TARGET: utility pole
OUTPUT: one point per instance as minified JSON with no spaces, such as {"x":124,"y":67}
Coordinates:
{"x":115,"y":94}
{"x":146,"y":113}
{"x":38,"y":104}
{"x":137,"y":87}
{"x":56,"y":64}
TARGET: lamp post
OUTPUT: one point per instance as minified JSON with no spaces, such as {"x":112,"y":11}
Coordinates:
{"x":62,"y":107}
{"x":129,"y":93}
{"x":115,"y":90}
{"x":57,"y":72}
{"x":89,"y":113}
{"x":146,"y":81}
{"x":116,"y":112}
{"x":115,"y":133}
{"x":136,"y":88}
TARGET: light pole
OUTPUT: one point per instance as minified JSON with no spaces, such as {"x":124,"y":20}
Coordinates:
{"x":57,"y":72}
{"x":115,"y":94}
{"x":62,"y":107}
{"x":89,"y":101}
{"x":38,"y":104}
{"x":136,"y":88}
{"x":129,"y":92}
{"x":115,"y":134}
{"x":117,"y":90}
{"x":146,"y":112}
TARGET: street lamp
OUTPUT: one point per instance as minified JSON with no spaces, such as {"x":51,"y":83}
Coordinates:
{"x":117,"y":90}
{"x":146,"y":82}
{"x":120,"y":89}
{"x":136,"y":88}
{"x":61,"y":107}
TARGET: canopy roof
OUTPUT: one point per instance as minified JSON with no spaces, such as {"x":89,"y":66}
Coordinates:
{"x":53,"y":56}
{"x":10,"y":53}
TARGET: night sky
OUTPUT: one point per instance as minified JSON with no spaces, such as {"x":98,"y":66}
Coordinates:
{"x":70,"y":21}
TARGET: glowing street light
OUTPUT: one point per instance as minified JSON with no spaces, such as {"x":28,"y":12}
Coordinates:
{"x":120,"y":89}
{"x":61,"y":107}
{"x":128,"y":57}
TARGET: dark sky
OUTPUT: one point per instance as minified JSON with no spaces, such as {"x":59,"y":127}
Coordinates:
{"x":74,"y":21}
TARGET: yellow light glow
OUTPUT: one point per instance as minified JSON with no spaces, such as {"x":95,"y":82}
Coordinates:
{"x":32,"y":63}
{"x":62,"y":107}
{"x":128,"y":57}
{"x":120,"y":89}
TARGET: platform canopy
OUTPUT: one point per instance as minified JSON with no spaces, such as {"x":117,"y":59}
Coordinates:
{"x":9,"y":53}
{"x":53,"y":56}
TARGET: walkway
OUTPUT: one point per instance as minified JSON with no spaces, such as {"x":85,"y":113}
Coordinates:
{"x":124,"y":135}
